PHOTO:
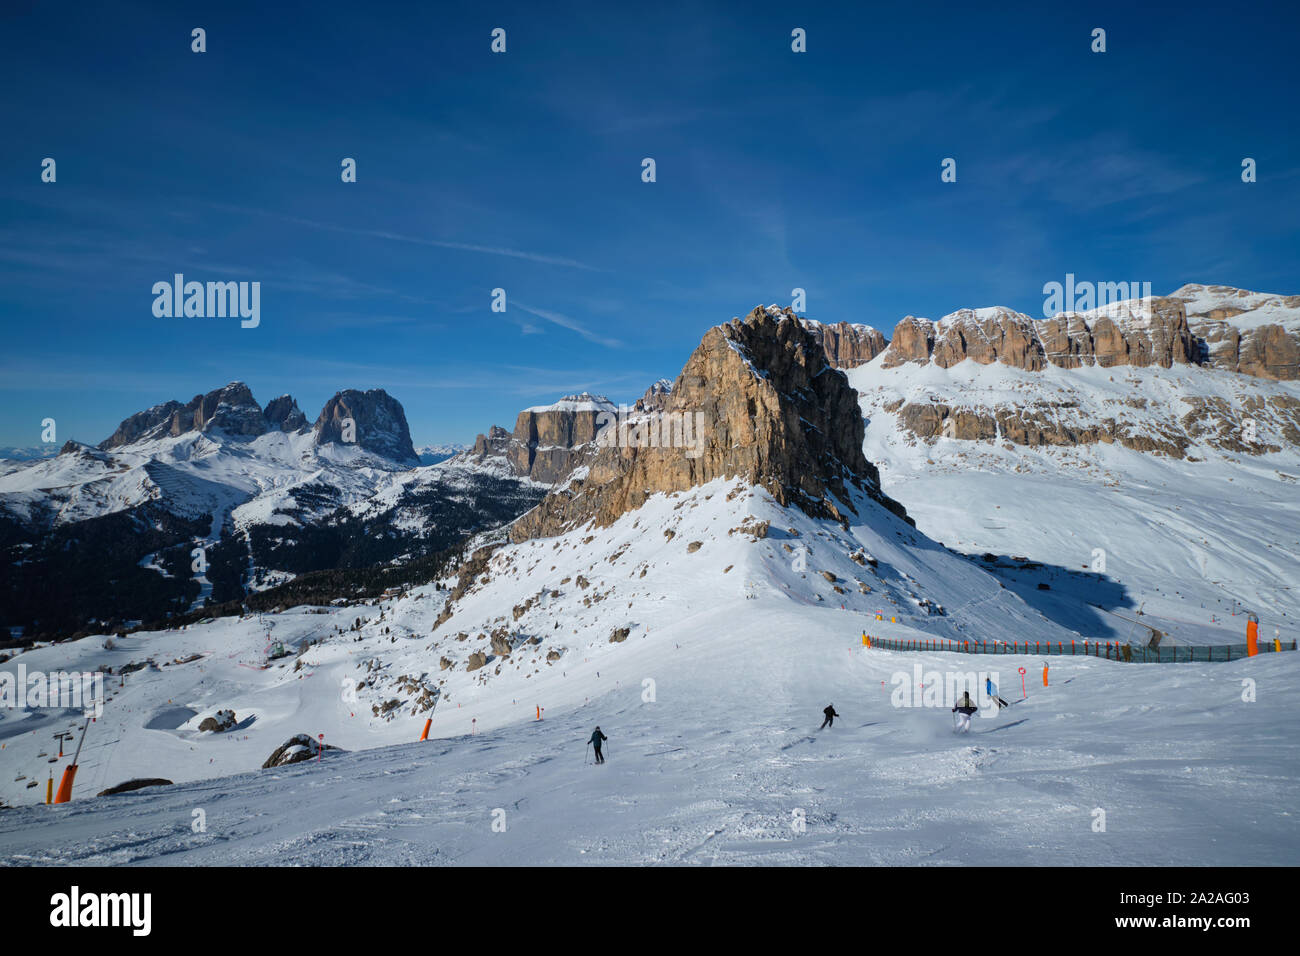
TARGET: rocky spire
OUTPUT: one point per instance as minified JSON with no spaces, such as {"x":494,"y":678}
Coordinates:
{"x":757,"y":400}
{"x":378,"y":424}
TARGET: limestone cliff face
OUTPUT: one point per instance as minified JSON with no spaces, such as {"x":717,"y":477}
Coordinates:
{"x":1223,"y":327}
{"x":1161,"y":336}
{"x":231,"y":409}
{"x":492,"y":445}
{"x":550,"y":441}
{"x":1253,"y":333}
{"x":757,"y":400}
{"x":283,"y":414}
{"x":150,"y":423}
{"x":845,"y":345}
{"x":379,"y":420}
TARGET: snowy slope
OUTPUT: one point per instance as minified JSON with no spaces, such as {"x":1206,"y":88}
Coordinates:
{"x":742,"y":642}
{"x":1185,"y":537}
{"x":711,"y":766}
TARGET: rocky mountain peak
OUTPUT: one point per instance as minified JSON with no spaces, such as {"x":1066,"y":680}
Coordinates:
{"x":283,"y":414}
{"x":378,"y":424}
{"x":757,"y":400}
{"x":230,"y":409}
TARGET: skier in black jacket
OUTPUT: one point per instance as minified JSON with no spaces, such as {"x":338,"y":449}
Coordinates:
{"x":830,"y":717}
{"x":963,"y":709}
{"x":596,"y":738}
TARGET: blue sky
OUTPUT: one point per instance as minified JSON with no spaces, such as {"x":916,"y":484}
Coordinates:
{"x":522,"y":171}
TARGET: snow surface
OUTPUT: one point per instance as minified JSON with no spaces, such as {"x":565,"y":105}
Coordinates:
{"x":1185,"y":538}
{"x":744,"y":642}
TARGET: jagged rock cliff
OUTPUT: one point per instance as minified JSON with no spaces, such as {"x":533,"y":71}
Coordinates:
{"x":231,"y":409}
{"x":380,"y":424}
{"x":549,"y":442}
{"x":1249,"y":332}
{"x":1070,"y":340}
{"x":233,"y":412}
{"x":284,"y":414}
{"x":756,"y":400}
{"x":845,"y":345}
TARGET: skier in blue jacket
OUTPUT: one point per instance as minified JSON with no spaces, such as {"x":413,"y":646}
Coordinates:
{"x":991,"y":689}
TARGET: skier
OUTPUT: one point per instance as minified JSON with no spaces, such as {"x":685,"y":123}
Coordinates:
{"x":991,"y":689}
{"x":596,"y":738}
{"x":830,"y":717}
{"x":965,"y":707}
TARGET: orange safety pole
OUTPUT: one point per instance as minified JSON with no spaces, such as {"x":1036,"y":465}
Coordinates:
{"x":1044,"y":675}
{"x":49,"y":789}
{"x":427,"y":724}
{"x":1252,"y":638}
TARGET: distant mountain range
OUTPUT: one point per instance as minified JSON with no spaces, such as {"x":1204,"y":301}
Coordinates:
{"x":103,"y":536}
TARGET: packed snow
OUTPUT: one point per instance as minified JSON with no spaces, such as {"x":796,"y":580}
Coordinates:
{"x":737,"y":637}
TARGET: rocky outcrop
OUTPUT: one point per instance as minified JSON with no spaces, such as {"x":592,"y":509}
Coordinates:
{"x":1156,"y":334}
{"x":379,"y":424}
{"x":550,"y":441}
{"x":655,"y":396}
{"x":138,"y":784}
{"x":1253,"y":333}
{"x":1035,"y":425}
{"x":494,"y":444}
{"x":151,"y":423}
{"x":845,"y":345}
{"x":759,"y":401}
{"x":296,"y":749}
{"x":232,"y":410}
{"x":222,"y":720}
{"x":283,"y":414}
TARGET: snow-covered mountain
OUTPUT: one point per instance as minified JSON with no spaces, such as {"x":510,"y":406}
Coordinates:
{"x":702,"y":609}
{"x":265,"y":495}
{"x":13,"y":454}
{"x":1157,"y":441}
{"x":432,"y":454}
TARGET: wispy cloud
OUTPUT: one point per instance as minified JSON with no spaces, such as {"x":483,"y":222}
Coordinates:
{"x":417,"y":240}
{"x":573,"y":325}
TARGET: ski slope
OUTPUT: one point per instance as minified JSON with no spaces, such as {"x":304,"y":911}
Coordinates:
{"x":715,"y":770}
{"x":1190,"y":541}
{"x":714,"y":761}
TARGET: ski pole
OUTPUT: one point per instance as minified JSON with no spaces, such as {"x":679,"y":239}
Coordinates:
{"x":584,"y":754}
